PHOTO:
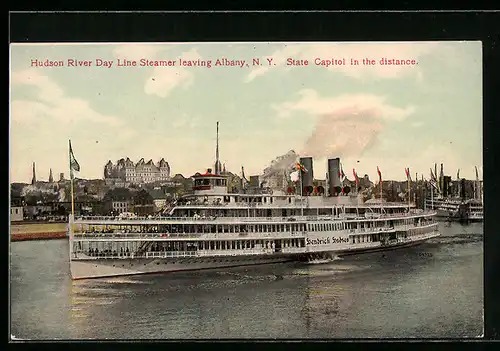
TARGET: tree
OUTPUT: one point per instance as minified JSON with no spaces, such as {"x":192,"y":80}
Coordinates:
{"x":143,"y":198}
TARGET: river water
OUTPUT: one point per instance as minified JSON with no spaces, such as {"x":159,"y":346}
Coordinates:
{"x":434,"y":290}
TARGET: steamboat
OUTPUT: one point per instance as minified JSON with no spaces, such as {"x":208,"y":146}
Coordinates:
{"x":213,"y":229}
{"x":456,"y":207}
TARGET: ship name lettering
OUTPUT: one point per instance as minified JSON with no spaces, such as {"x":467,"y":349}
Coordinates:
{"x":327,"y":241}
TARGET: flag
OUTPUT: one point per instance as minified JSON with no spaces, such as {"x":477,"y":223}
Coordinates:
{"x":458,"y":174}
{"x":407,"y":171}
{"x":73,"y":163}
{"x":300,"y":167}
{"x":433,"y":180}
{"x":355,"y":176}
{"x":379,"y":174}
{"x":294,"y":176}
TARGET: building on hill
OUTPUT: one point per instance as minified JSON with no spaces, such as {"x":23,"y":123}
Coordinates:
{"x":126,"y":172}
{"x":118,"y":200}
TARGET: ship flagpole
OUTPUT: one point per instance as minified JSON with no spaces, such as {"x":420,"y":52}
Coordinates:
{"x":408,"y":180}
{"x":73,"y":166}
{"x":72,"y":216}
{"x":301,"y":193}
{"x":217,"y":170}
{"x":380,"y":184}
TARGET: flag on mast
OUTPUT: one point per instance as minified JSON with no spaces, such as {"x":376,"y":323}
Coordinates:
{"x":355,"y":176}
{"x":433,"y":180}
{"x":408,"y":175}
{"x":379,"y":174}
{"x":300,"y":167}
{"x":341,"y":173}
{"x":74,"y":166}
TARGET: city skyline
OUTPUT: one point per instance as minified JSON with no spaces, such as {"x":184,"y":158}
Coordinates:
{"x":391,"y":117}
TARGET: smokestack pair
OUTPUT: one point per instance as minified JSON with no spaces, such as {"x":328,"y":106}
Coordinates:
{"x":334,"y":183}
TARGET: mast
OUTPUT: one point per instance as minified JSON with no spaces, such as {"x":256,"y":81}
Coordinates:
{"x":301,"y":195}
{"x":217,"y":170}
{"x":408,"y":179}
{"x":432,"y":195}
{"x":477,"y":188}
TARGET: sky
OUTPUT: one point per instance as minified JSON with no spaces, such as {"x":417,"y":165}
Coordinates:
{"x":390,"y":116}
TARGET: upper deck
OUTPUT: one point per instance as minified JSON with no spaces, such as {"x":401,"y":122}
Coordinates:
{"x":109,"y":220}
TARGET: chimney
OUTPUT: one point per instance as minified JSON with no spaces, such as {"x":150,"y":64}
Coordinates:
{"x":333,"y":176}
{"x":307,"y":177}
{"x":51,"y":179}
{"x":61,"y":177}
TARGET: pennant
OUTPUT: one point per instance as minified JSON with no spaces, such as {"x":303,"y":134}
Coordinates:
{"x":355,"y":176}
{"x":408,"y":175}
{"x":73,"y":163}
{"x":300,"y":167}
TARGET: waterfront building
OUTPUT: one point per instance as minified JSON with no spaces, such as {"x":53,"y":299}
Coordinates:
{"x":16,"y":214}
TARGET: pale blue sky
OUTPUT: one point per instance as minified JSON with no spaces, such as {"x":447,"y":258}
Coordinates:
{"x":387,"y":116}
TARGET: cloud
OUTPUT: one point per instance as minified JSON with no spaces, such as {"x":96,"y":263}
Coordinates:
{"x":186,"y":122}
{"x":164,"y":79}
{"x":137,"y":51}
{"x":374,"y":51}
{"x":346,"y":125}
{"x":52,"y":103}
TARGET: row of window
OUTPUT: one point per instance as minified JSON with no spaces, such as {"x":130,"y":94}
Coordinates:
{"x":189,"y":245}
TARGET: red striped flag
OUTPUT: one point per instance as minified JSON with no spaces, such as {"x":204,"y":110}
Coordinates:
{"x":355,"y":176}
{"x":407,"y":171}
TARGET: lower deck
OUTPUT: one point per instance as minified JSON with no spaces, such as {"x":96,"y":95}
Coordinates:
{"x":163,"y":262}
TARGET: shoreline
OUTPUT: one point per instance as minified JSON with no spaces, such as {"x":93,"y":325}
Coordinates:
{"x":37,"y":236}
{"x":24,"y":231}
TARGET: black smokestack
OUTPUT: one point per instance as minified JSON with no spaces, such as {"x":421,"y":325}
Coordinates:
{"x":446,"y":186}
{"x":307,"y":177}
{"x":333,"y":176}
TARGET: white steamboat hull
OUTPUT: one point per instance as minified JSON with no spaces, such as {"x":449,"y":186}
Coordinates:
{"x":102,"y":268}
{"x":114,"y":267}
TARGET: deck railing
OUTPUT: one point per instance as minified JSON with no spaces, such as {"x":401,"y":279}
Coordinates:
{"x":110,"y":220}
{"x":187,"y":236}
{"x":178,"y":254}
